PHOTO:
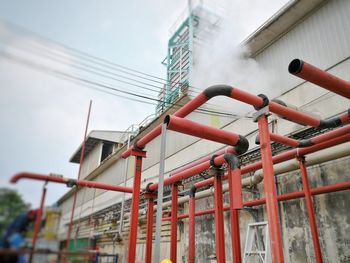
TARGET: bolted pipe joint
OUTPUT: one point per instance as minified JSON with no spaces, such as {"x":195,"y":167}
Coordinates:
{"x":232,"y":160}
{"x":71,"y":182}
{"x":192,"y":192}
{"x":266,"y":102}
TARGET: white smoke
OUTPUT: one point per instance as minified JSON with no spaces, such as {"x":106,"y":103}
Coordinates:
{"x":223,"y":59}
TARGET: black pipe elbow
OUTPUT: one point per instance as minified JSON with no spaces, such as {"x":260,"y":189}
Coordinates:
{"x":305,"y":143}
{"x":242,"y":145}
{"x":148,"y":190}
{"x":192,"y":192}
{"x":217,"y":90}
{"x":330,"y":123}
{"x":232,"y":160}
{"x":295,"y":66}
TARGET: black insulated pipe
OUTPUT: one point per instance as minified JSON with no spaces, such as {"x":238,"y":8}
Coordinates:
{"x":217,"y":90}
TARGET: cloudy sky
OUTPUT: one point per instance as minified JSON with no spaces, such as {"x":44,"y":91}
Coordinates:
{"x":43,"y":113}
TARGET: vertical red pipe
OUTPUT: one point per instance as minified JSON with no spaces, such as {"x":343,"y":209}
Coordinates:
{"x":192,"y":229}
{"x":270,"y":191}
{"x":236,"y":202}
{"x":149,"y":229}
{"x":310,"y":210}
{"x":219,"y":219}
{"x":134,"y":210}
{"x":82,"y":155}
{"x":38,"y":222}
{"x":173,"y":239}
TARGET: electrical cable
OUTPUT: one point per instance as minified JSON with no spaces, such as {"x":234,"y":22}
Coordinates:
{"x":100,"y":85}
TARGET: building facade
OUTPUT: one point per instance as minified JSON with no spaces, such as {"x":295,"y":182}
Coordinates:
{"x":316,"y":31}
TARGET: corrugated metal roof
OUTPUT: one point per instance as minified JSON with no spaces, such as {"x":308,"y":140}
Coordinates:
{"x":94,"y":138}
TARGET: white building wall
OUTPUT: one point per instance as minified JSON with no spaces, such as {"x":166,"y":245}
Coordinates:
{"x":322,"y":39}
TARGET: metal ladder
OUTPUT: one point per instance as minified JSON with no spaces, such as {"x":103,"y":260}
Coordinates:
{"x":255,"y":245}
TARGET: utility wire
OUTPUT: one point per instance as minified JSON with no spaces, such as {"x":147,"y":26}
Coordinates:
{"x":91,"y":58}
{"x":83,"y":56}
{"x":65,"y":75}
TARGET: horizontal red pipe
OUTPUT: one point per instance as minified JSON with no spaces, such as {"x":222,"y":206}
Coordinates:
{"x":233,"y":93}
{"x":201,"y":131}
{"x":285,"y":156}
{"x":284,"y":140}
{"x":319,"y":77}
{"x":69,"y":181}
{"x":219,"y":160}
{"x":284,"y":197}
{"x":228,"y":149}
{"x":315,"y":140}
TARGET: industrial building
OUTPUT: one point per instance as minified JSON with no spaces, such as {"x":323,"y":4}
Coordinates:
{"x":315,"y":31}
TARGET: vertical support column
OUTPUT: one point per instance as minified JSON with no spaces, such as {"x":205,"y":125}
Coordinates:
{"x":310,"y":210}
{"x":270,"y":190}
{"x":135,"y":205}
{"x":192,"y":225}
{"x":173,"y":238}
{"x":156,"y":257}
{"x":236,"y":202}
{"x":38,"y":222}
{"x":219,"y":214}
{"x":150,"y":208}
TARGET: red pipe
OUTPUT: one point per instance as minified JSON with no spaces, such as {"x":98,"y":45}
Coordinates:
{"x":310,"y":210}
{"x":37,"y":224}
{"x":234,"y":93}
{"x":284,"y":197}
{"x":150,"y":207}
{"x":82,"y":155}
{"x":135,"y":210}
{"x":270,"y":191}
{"x":285,"y":156}
{"x":201,"y":131}
{"x":284,"y":140}
{"x":293,"y":115}
{"x":219,"y":220}
{"x":173,"y":230}
{"x":236,"y":202}
{"x":315,"y":140}
{"x":192,"y":229}
{"x":219,"y":160}
{"x":69,"y":181}
{"x":228,"y":149}
{"x":319,"y":77}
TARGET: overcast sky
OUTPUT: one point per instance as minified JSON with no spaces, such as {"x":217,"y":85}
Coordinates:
{"x":43,"y":116}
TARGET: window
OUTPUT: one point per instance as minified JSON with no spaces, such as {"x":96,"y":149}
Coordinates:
{"x":107,"y":149}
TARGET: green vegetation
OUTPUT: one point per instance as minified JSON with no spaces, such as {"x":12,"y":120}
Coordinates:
{"x":11,"y":205}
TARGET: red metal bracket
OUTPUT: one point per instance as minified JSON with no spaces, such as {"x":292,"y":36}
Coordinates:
{"x":138,"y":153}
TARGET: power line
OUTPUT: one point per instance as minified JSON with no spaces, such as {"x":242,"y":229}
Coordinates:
{"x":90,"y":83}
{"x":83,"y":54}
{"x":91,"y":58}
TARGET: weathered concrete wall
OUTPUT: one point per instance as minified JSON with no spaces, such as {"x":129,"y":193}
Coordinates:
{"x":333,"y":218}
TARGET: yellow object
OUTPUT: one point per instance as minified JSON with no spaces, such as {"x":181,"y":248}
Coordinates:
{"x":166,"y":261}
{"x":51,"y":224}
